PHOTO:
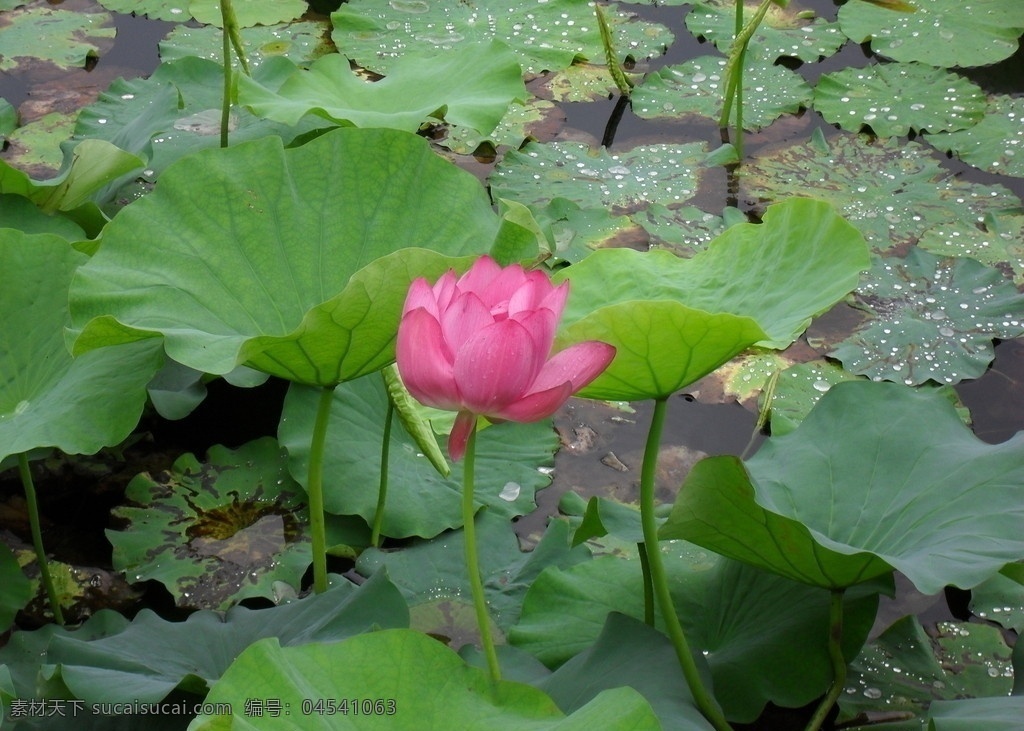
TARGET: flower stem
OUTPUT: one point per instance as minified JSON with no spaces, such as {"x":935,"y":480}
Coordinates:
{"x":835,"y":654}
{"x":483,"y":620}
{"x":382,"y":491}
{"x":705,"y":702}
{"x":645,"y":568}
{"x":315,"y":489}
{"x":37,"y":537}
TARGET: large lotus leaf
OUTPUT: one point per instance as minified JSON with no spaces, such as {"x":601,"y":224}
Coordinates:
{"x":969,"y":714}
{"x":785,"y":30}
{"x":938,"y":32}
{"x":933,"y":319}
{"x":893,"y":99}
{"x":218,"y":531}
{"x":995,"y":143}
{"x":546,"y":35}
{"x":301,"y":42}
{"x":151,"y":657}
{"x":420,"y":501}
{"x":860,"y":488}
{"x":171,"y":10}
{"x":675,"y":320}
{"x":66,"y":38}
{"x":15,"y":588}
{"x":696,"y":87}
{"x":628,"y":648}
{"x":471,"y":86}
{"x":248,"y":12}
{"x":594,"y":178}
{"x":289,"y":261}
{"x":412,"y":682}
{"x":19,"y":212}
{"x":891,"y":191}
{"x":48,"y":398}
{"x":907,"y":670}
{"x":432,"y":574}
{"x":999,"y":243}
{"x":763,"y":637}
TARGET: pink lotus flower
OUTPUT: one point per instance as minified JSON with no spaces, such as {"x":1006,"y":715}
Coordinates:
{"x":479,"y":345}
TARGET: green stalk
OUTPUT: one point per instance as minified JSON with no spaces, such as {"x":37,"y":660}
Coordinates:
{"x":37,"y":537}
{"x":382,"y":490}
{"x":623,"y":83}
{"x":315,"y":489}
{"x":734,"y":67}
{"x":645,"y":568}
{"x":483,"y":619}
{"x":835,"y":654}
{"x":659,"y":578}
{"x":231,"y":38}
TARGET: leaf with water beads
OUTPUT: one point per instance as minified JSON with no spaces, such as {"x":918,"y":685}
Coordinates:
{"x":933,"y":319}
{"x":941,"y":33}
{"x":696,"y":88}
{"x":893,"y":99}
{"x":996,"y":143}
{"x":999,"y":242}
{"x":784,"y":31}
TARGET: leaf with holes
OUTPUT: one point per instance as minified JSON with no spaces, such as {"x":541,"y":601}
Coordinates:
{"x":894,"y":98}
{"x":942,"y":33}
{"x":932,"y":319}
{"x":785,"y":31}
{"x":858,"y":489}
{"x":892,"y":191}
{"x":996,"y":143}
{"x":697,"y":86}
{"x":218,"y":531}
{"x":546,"y":35}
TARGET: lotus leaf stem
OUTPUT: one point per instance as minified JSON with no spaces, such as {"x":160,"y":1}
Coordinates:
{"x":483,"y":619}
{"x":734,"y":69}
{"x":37,"y":538}
{"x":382,"y":490}
{"x":659,"y":579}
{"x":315,"y":489}
{"x":645,"y":568}
{"x":835,"y":654}
{"x":232,"y":38}
{"x":624,"y":85}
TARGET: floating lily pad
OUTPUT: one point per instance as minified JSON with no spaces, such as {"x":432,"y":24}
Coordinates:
{"x":906,"y":669}
{"x":63,"y":37}
{"x":8,"y":119}
{"x":581,"y":82}
{"x":683,"y":231}
{"x":893,"y":192}
{"x":300,"y":42}
{"x":932,"y":319}
{"x":698,"y":87}
{"x":218,"y":531}
{"x":174,"y":10}
{"x":521,"y":121}
{"x":547,"y":35}
{"x":857,"y":491}
{"x":996,"y":143}
{"x":763,"y":637}
{"x":798,"y":389}
{"x":471,"y":86}
{"x":412,"y":682}
{"x":941,"y":33}
{"x":893,"y":99}
{"x":999,"y":242}
{"x":35,"y":147}
{"x":420,"y":501}
{"x":622,"y":182}
{"x":1001,"y":600}
{"x":263,"y":220}
{"x":785,"y":31}
{"x":248,"y":12}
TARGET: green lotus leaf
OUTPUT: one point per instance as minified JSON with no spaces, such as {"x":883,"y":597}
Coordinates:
{"x":289,"y":261}
{"x":170,"y":10}
{"x":968,"y":714}
{"x":675,"y":320}
{"x":763,"y":637}
{"x":248,"y":12}
{"x":1000,"y":599}
{"x":149,"y":658}
{"x":999,"y":243}
{"x":21,"y":213}
{"x":941,"y":33}
{"x":471,"y":86}
{"x":909,"y":670}
{"x":420,"y":501}
{"x":892,"y":191}
{"x":893,"y":99}
{"x":48,"y":398}
{"x":65,"y":38}
{"x":546,"y":35}
{"x":933,"y":319}
{"x":857,"y":490}
{"x":8,"y":118}
{"x":994,"y":144}
{"x":696,"y":86}
{"x":785,"y":30}
{"x":219,"y":531}
{"x":301,"y":42}
{"x":15,"y":587}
